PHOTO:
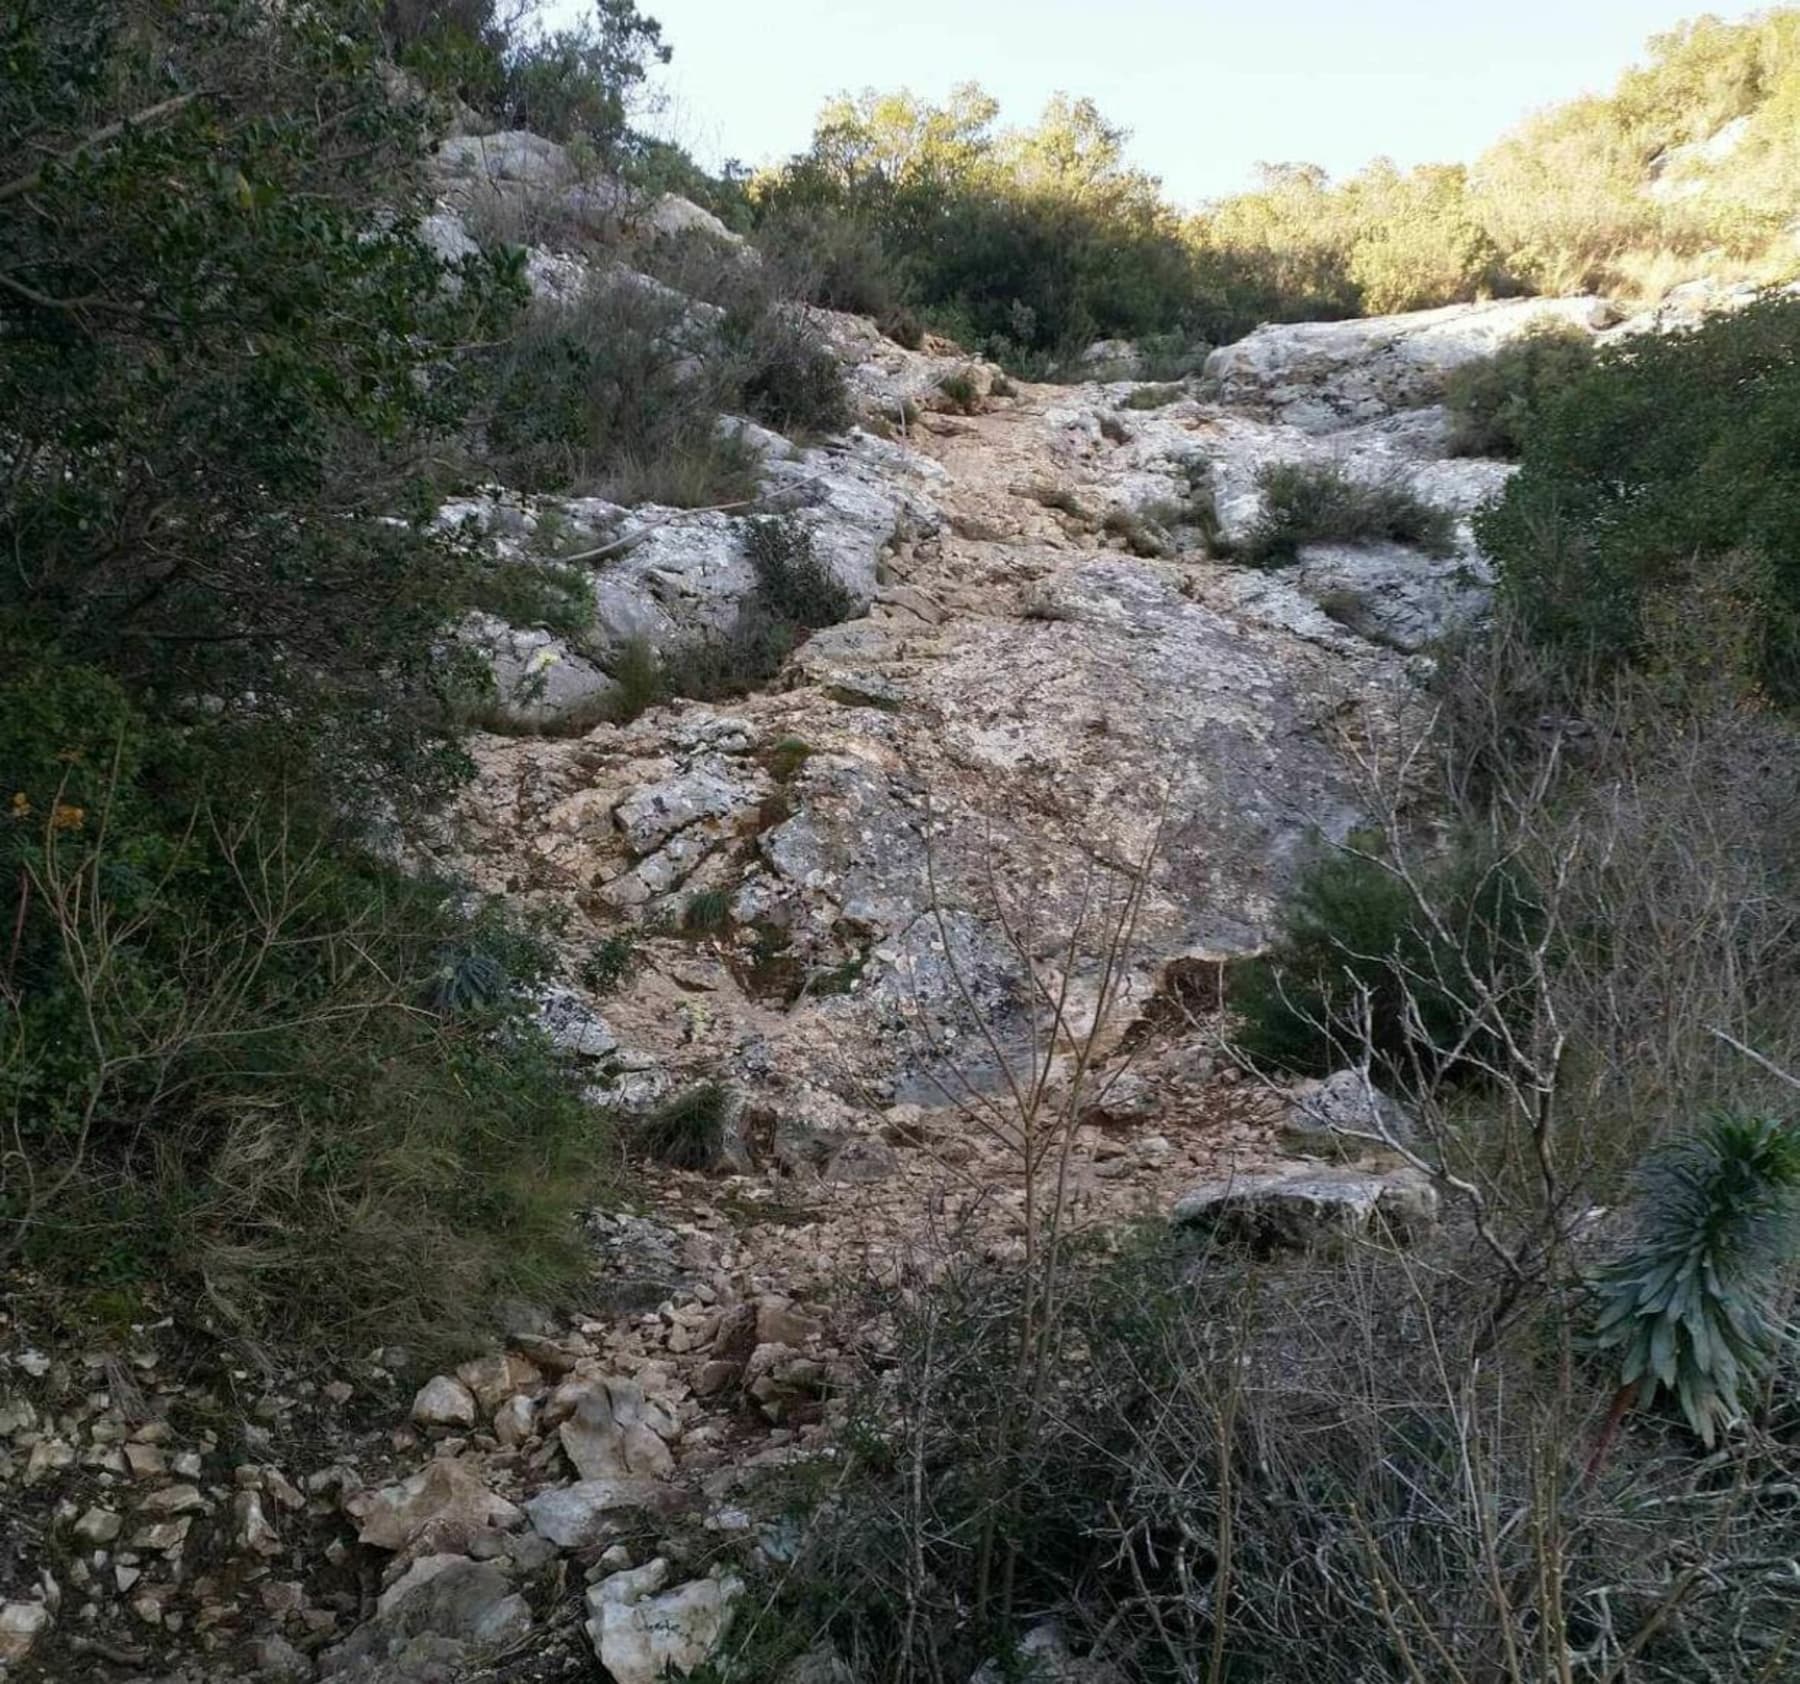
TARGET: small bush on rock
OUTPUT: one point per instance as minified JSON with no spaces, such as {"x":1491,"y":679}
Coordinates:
{"x":792,"y":580}
{"x":1496,"y":402}
{"x":1306,"y":504}
{"x":960,"y":388}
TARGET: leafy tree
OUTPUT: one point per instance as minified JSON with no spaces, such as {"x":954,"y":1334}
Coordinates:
{"x":585,"y":82}
{"x":228,"y":368}
{"x":221,"y":368}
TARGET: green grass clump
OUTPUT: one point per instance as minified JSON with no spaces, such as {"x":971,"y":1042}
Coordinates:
{"x":960,"y":388}
{"x":687,"y":1131}
{"x":1312,"y":504}
{"x":783,"y":758}
{"x":707,"y":912}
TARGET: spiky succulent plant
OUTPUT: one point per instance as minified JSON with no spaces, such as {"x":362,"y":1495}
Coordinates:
{"x":1689,"y":1306}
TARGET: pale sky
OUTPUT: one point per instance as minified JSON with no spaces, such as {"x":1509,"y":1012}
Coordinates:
{"x":1208,"y":87}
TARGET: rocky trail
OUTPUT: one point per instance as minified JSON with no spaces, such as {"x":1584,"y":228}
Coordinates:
{"x":831,"y":899}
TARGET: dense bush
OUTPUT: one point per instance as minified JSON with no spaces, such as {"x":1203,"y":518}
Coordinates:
{"x":1305,"y":504}
{"x":239,"y":1055}
{"x":1024,"y":244}
{"x":1656,"y":518}
{"x":1243,"y":1472}
{"x":252,"y":1066}
{"x":1497,"y":402}
{"x":1365,"y":960}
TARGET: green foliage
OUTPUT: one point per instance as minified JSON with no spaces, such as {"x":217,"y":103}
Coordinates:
{"x":789,"y":379}
{"x":537,"y":593}
{"x":611,"y":963}
{"x":1355,"y":946}
{"x":794,"y":583}
{"x":253,"y":1065}
{"x":638,"y":673}
{"x":960,"y":388}
{"x":687,"y":1131}
{"x":1497,"y":402}
{"x":581,"y":82}
{"x":784,"y":758}
{"x":250,"y":1063}
{"x":1026,"y":244}
{"x":1305,"y":504}
{"x":223,"y":374}
{"x":1154,"y":397}
{"x":1690,"y":1308}
{"x":602,"y":389}
{"x":1661,"y":491}
{"x":707,"y":912}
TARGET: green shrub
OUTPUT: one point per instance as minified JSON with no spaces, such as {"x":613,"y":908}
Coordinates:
{"x":1662,"y":490}
{"x":1497,"y":402}
{"x":1228,"y":1457}
{"x":789,"y":377}
{"x":1154,"y":397}
{"x":794,"y":583}
{"x":707,"y":912}
{"x":960,"y":388}
{"x":250,"y":1062}
{"x":1305,"y":504}
{"x":703,"y":467}
{"x":1353,"y":938}
{"x":783,"y":759}
{"x":610,"y":965}
{"x":602,"y":393}
{"x":687,"y":1131}
{"x":833,"y":258}
{"x":536,"y":593}
{"x":636,"y":670}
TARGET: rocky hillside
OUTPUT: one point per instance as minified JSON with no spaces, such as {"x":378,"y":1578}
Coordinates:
{"x":998,"y":824}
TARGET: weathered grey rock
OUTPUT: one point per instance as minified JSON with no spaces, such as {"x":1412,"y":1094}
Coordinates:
{"x":540,"y":683}
{"x":446,"y":1599}
{"x":641,"y":1632}
{"x":280,"y":1662}
{"x":1043,"y":1656}
{"x":1307,"y":1205}
{"x":443,"y":1506}
{"x":609,"y":1436}
{"x":710,"y":789}
{"x":594,"y":1511}
{"x":99,"y":1526}
{"x":22,"y":1625}
{"x":444,"y":1402}
{"x":1348,"y":1101}
{"x":1322,"y":376}
{"x":1391,"y":594}
{"x":575,"y":1028}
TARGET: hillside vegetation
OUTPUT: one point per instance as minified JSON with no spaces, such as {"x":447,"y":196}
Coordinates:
{"x":1033,"y":241}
